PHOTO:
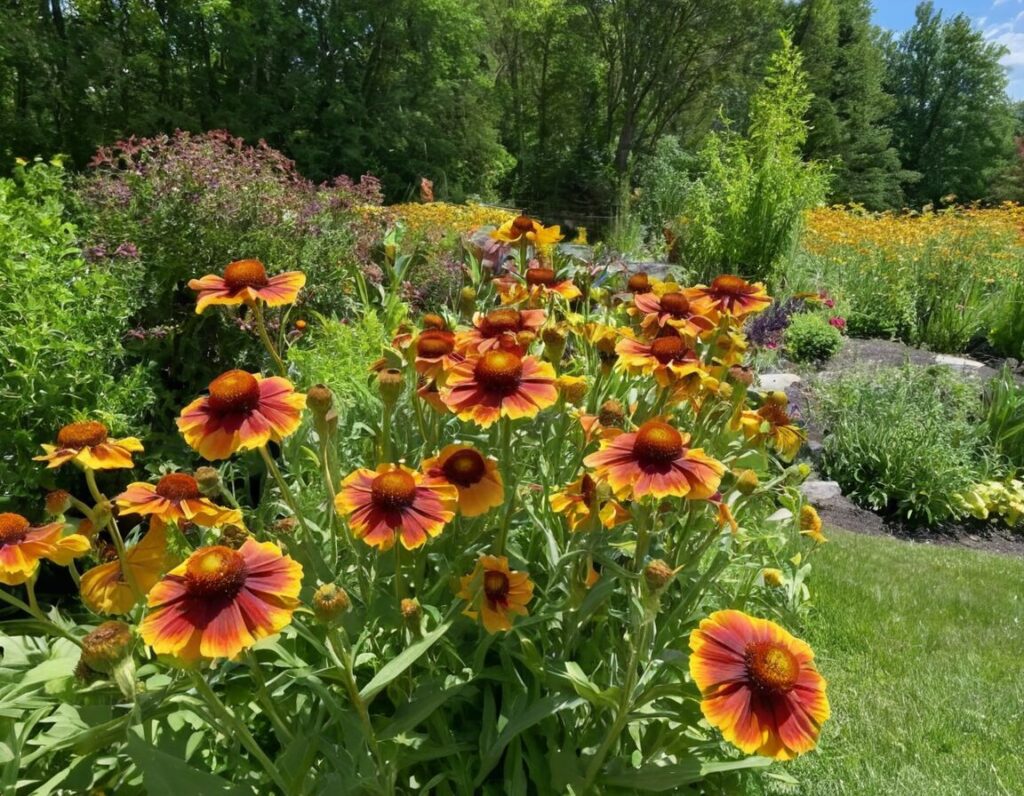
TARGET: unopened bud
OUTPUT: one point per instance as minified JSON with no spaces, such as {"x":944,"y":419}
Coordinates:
{"x":741,"y":375}
{"x":106,"y":646}
{"x":638,"y":283}
{"x":525,"y":338}
{"x":611,"y":414}
{"x":434,"y":321}
{"x":572,"y":388}
{"x":725,"y":390}
{"x":57,"y":502}
{"x":330,"y":602}
{"x":411,"y":611}
{"x":208,"y":479}
{"x":658,"y":575}
{"x":285,"y":526}
{"x":232,"y":536}
{"x":389,"y":384}
{"x":773,"y":577}
{"x":747,"y":482}
{"x":320,"y":399}
{"x":467,"y":301}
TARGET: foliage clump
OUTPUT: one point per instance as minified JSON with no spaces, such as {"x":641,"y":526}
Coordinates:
{"x":811,"y":338}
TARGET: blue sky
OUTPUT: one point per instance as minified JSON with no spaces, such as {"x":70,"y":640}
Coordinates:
{"x":1001,"y":20}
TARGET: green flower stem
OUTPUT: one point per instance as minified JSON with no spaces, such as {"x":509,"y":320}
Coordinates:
{"x":384,"y":444}
{"x":261,"y":329}
{"x":343,"y":661}
{"x":115,"y":535}
{"x":266,"y":700}
{"x":38,"y":615}
{"x":399,"y":583}
{"x":332,"y":511}
{"x":306,"y":540}
{"x":505,"y":446}
{"x":238,"y":729}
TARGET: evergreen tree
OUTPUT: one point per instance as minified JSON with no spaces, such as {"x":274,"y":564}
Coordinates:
{"x":845,"y":63}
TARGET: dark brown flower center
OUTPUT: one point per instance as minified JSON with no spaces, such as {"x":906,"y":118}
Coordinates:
{"x":771,"y":666}
{"x":728,"y":285}
{"x":540,"y":276}
{"x":657,"y":443}
{"x":638,"y":283}
{"x":434,"y":321}
{"x":393,"y":490}
{"x":498,"y":322}
{"x":464,"y":468}
{"x":435,"y":343}
{"x":676,"y":304}
{"x":611,"y":413}
{"x":215,"y":571}
{"x":178,"y":486}
{"x":669,"y":349}
{"x":13,"y":528}
{"x":588,"y":490}
{"x":774,"y":414}
{"x":522,"y":224}
{"x":499,"y":372}
{"x":234,"y":391}
{"x":245,"y":273}
{"x":86,"y":434}
{"x":496,"y":586}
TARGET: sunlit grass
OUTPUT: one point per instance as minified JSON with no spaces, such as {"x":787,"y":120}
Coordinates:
{"x":923,"y":648}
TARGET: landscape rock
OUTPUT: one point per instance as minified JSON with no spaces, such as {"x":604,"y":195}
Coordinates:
{"x":958,"y":363}
{"x":767,"y":382}
{"x":820,"y":493}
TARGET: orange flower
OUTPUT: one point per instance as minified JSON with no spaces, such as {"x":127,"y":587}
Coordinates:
{"x":758,"y":685}
{"x":431,"y":394}
{"x":488,"y":330}
{"x":86,"y":443}
{"x":522,"y":229}
{"x":537,"y":285}
{"x":475,"y":476}
{"x":499,"y":384}
{"x":655,"y":460}
{"x":246,"y":282}
{"x":670,"y":309}
{"x":494,"y":593}
{"x":729,"y":295}
{"x":175,"y":497}
{"x":104,"y":589}
{"x":771,"y":423}
{"x":243,"y":411}
{"x":669,"y":359}
{"x":435,"y":352}
{"x":220,"y":601}
{"x":22,"y":546}
{"x":579,"y":500}
{"x":395,"y":502}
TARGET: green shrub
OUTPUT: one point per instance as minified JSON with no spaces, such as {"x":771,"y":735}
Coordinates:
{"x":811,"y":338}
{"x":1003,"y":402}
{"x":903,"y":441}
{"x":61,"y":331}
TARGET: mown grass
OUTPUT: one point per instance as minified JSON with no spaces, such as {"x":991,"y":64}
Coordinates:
{"x":923,"y":648}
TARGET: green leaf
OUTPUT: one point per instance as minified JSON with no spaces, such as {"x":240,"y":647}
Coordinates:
{"x":396,"y":666}
{"x":589,"y":690}
{"x":164,"y":773}
{"x":667,"y":777}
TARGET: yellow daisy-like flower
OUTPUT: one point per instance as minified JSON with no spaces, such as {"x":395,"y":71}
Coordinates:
{"x":104,"y":588}
{"x":475,"y":476}
{"x":22,"y":546}
{"x":810,"y":524}
{"x":771,"y":423}
{"x":175,"y":497}
{"x":524,"y":229}
{"x":87,"y":443}
{"x":494,"y":593}
{"x":579,"y":500}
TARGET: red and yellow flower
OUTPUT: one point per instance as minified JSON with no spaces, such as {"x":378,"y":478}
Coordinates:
{"x":671,"y":308}
{"x":475,"y":476}
{"x":23,"y":545}
{"x":494,"y":593}
{"x":581,"y":499}
{"x":655,"y":460}
{"x":537,"y":285}
{"x":242,"y":411}
{"x":435,"y":352}
{"x":523,"y":229}
{"x":488,"y":330}
{"x":729,"y":295}
{"x":668,"y":358}
{"x":104,"y":588}
{"x":771,"y":423}
{"x":87,"y":444}
{"x":499,"y":384}
{"x":246,"y":282}
{"x":758,"y":684}
{"x":220,"y":601}
{"x":396,"y":503}
{"x":174,"y":498}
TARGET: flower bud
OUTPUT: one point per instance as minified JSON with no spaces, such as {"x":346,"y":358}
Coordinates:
{"x":57,"y":502}
{"x":208,"y":479}
{"x":232,"y":536}
{"x":611,"y":414}
{"x":525,"y":338}
{"x":467,"y":301}
{"x":658,"y":575}
{"x":411,"y":611}
{"x":320,"y":399}
{"x":434,"y":321}
{"x":747,"y":482}
{"x":638,"y":283}
{"x":741,"y":375}
{"x":554,"y":338}
{"x":300,"y":325}
{"x":285,"y":526}
{"x":389,"y":384}
{"x":725,"y":390}
{"x":773,"y":577}
{"x":330,"y":602}
{"x":572,"y":388}
{"x":106,"y":646}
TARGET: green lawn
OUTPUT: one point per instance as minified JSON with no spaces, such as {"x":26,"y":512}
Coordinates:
{"x":923,"y":648}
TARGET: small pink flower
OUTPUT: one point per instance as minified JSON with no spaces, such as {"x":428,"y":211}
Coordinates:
{"x":838,"y":321}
